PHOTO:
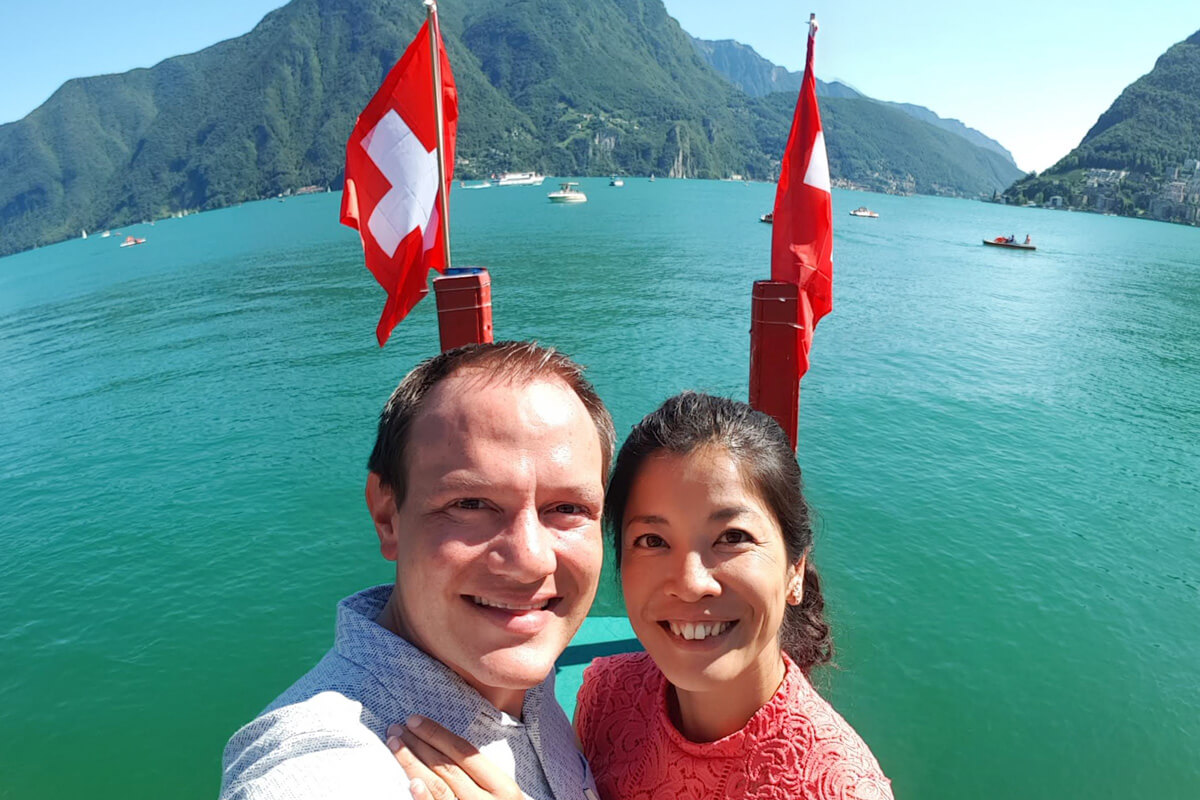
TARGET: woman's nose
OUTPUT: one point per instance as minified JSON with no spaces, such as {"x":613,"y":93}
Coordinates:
{"x":693,"y":579}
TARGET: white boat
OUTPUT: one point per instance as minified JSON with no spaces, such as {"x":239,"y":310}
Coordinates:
{"x":520,"y":179}
{"x":567,"y":193}
{"x":84,"y":234}
{"x":106,"y":234}
{"x":475,"y":185}
{"x":130,"y":241}
{"x":863,"y":211}
{"x":652,"y":177}
{"x":616,"y":181}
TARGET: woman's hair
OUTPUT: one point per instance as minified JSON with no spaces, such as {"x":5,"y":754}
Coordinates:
{"x":690,"y":421}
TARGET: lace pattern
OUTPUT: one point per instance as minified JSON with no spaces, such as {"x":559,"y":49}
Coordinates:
{"x":796,"y":746}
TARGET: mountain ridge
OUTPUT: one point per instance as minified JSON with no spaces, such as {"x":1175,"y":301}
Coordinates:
{"x":564,"y":88}
{"x":1142,"y":156}
{"x":745,"y":68}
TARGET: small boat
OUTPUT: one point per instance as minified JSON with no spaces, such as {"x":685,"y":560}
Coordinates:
{"x":768,"y":217}
{"x":520,"y":179}
{"x":106,"y":234}
{"x":567,"y":193}
{"x":616,"y":181}
{"x":652,"y":177}
{"x":1001,"y":241}
{"x":130,"y":241}
{"x":476,"y":185}
{"x":84,"y":234}
{"x":863,"y":211}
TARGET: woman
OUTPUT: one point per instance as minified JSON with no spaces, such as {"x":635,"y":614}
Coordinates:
{"x":712,"y":536}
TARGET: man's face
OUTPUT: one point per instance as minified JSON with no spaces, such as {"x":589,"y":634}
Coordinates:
{"x":497,"y":543}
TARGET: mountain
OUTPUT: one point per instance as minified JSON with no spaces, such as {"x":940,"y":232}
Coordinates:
{"x":563,"y":87}
{"x":1142,"y":157}
{"x":756,"y":76}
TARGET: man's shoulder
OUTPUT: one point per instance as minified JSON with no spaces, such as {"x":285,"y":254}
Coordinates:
{"x":317,"y":739}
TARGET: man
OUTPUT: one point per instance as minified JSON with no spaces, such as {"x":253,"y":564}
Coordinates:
{"x":485,"y":485}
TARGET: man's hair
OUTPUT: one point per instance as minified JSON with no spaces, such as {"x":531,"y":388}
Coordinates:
{"x":518,"y":362}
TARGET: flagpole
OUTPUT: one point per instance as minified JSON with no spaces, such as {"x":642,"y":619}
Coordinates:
{"x":435,"y":35}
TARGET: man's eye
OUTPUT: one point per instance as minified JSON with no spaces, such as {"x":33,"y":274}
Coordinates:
{"x":651,"y":541}
{"x":734,"y":537}
{"x":469,"y":504}
{"x":570,"y":508}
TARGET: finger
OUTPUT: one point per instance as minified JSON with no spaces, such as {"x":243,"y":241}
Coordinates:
{"x":460,"y":783}
{"x":424,"y":784}
{"x":474,"y":764}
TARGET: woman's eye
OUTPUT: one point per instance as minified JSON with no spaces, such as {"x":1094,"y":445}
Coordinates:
{"x":650,"y":541}
{"x":735,"y":537}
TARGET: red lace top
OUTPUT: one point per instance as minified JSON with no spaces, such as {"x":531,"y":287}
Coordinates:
{"x":796,"y":746}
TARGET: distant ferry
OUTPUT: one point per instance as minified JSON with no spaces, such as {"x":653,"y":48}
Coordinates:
{"x":520,"y":179}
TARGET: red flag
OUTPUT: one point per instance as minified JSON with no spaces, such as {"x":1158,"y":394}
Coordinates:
{"x":802,"y":228}
{"x":391,"y":192}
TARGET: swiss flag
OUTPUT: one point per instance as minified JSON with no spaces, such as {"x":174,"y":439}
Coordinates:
{"x":802,"y":227}
{"x":391,"y":192}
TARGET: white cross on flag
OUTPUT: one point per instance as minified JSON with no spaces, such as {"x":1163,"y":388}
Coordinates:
{"x":802,"y":225}
{"x":391,"y":191}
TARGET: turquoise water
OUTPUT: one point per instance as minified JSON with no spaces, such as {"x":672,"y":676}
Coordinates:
{"x":1004,"y":449}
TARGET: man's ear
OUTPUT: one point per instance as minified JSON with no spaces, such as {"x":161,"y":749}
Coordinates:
{"x":381,"y":504}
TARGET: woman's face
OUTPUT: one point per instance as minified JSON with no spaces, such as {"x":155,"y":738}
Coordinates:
{"x":704,"y":570}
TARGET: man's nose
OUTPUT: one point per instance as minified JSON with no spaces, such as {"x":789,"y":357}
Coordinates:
{"x":692,"y":580}
{"x":524,"y":550}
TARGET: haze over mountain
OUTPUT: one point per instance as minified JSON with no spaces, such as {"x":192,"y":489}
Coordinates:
{"x":757,"y":76}
{"x":1142,"y":157}
{"x":563,"y":87}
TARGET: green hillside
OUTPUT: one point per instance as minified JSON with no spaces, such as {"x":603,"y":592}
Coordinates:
{"x":1142,"y":157}
{"x":553,"y":85}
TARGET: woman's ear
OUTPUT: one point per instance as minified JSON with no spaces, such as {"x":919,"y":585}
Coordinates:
{"x":795,"y":593}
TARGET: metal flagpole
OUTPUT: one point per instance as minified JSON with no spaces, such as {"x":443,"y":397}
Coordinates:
{"x":435,"y":36}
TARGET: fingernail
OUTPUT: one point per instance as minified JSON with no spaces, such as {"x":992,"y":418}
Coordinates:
{"x":413,"y":722}
{"x":393,"y":743}
{"x":417,"y":787}
{"x":395,"y":729}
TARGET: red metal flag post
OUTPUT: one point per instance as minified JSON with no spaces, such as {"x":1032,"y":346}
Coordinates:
{"x":786,"y":309}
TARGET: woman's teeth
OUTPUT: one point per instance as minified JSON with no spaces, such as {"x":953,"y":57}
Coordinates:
{"x":698,"y":630}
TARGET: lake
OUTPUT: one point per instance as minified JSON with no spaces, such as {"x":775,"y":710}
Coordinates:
{"x":1003,"y":449}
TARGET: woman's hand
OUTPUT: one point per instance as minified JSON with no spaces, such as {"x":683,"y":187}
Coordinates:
{"x":442,"y":766}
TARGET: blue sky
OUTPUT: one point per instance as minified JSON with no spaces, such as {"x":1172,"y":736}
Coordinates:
{"x":1034,"y":75}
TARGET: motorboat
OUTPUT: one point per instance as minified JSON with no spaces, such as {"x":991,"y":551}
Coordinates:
{"x":475,"y":185}
{"x":520,"y":179}
{"x":863,"y":211}
{"x":130,"y":241}
{"x":106,"y":234}
{"x":567,"y":193}
{"x":616,"y":181}
{"x":1011,"y":244}
{"x":768,"y":218}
